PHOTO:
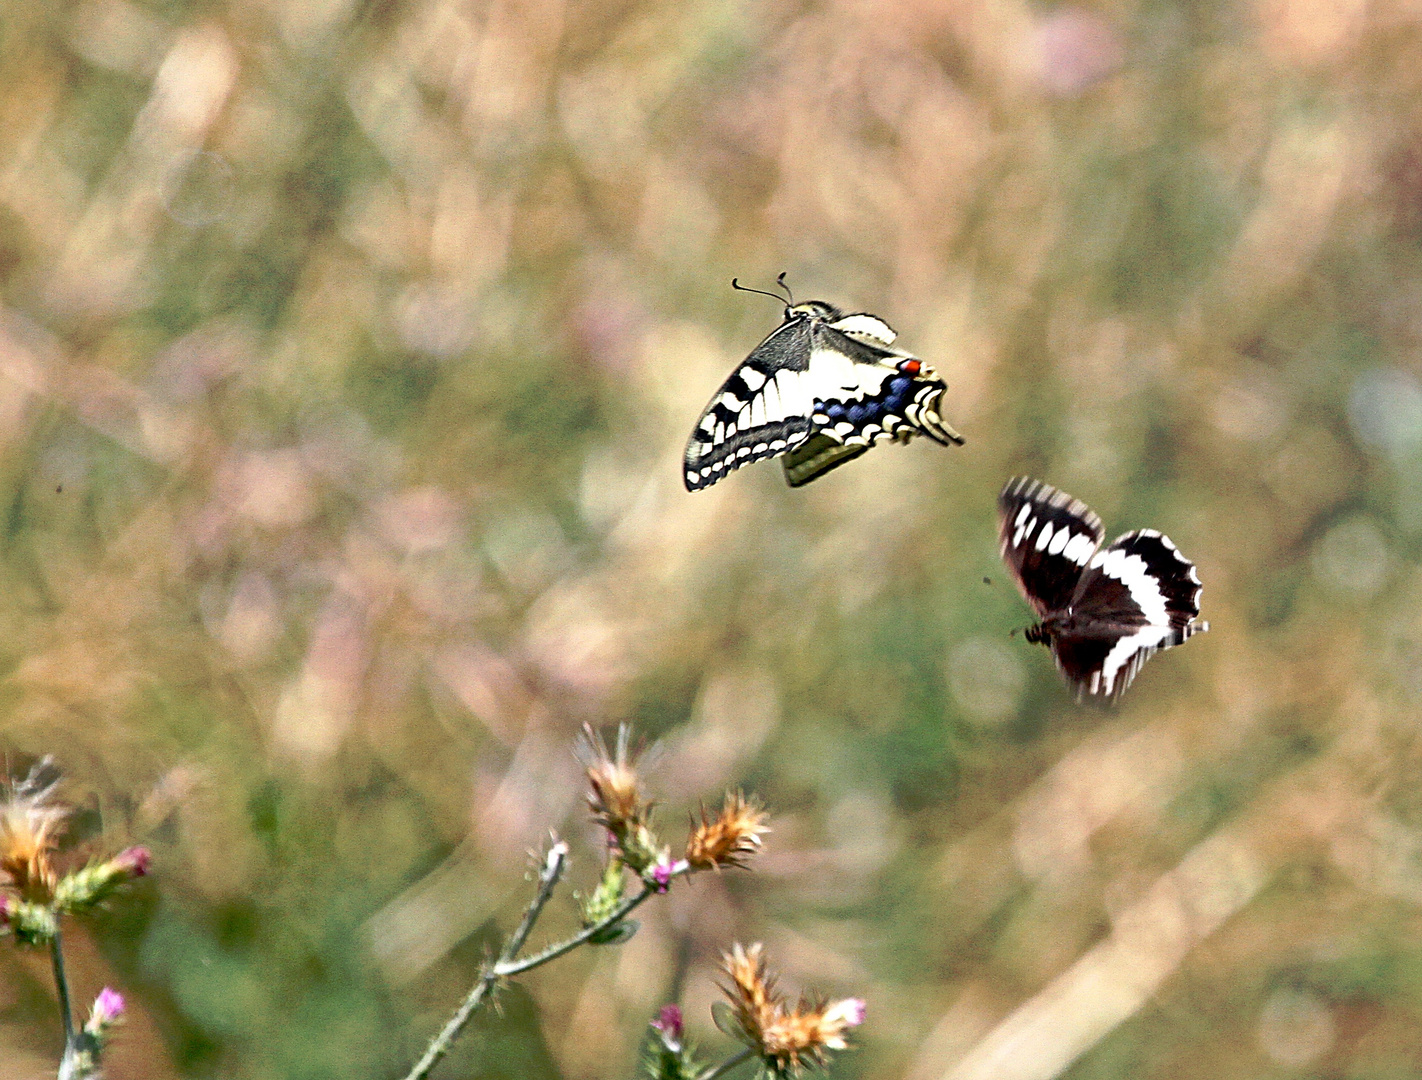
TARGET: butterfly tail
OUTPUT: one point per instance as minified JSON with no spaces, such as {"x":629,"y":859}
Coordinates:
{"x":930,"y":420}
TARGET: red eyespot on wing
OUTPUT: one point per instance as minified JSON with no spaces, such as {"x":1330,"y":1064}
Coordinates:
{"x":910,"y":367}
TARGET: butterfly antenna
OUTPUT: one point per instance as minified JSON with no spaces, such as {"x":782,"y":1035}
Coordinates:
{"x":736,"y":284}
{"x":780,"y":280}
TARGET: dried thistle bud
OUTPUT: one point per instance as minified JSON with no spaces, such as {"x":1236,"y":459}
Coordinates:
{"x":786,"y":1039}
{"x":615,"y":796}
{"x":30,"y":824}
{"x":729,"y":838}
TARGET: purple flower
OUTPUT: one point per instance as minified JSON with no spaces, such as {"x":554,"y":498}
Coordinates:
{"x":108,"y":1007}
{"x":849,"y":1012}
{"x":669,"y":1021}
{"x":133,"y":861}
{"x":662,"y":872}
{"x":668,"y":1025}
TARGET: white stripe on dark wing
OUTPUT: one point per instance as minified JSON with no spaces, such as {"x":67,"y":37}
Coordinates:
{"x":1130,"y":652}
{"x":1133,"y":572}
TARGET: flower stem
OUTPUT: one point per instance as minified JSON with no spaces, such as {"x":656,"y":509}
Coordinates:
{"x":506,"y":965}
{"x":56,"y":955}
{"x":504,"y":968}
{"x":726,"y":1066}
{"x":439,"y":1046}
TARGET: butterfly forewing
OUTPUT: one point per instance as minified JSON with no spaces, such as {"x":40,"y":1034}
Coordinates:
{"x":1141,"y":578}
{"x":1047,"y":537}
{"x":760,"y":411}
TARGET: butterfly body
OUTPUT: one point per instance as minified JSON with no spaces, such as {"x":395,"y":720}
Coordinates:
{"x":820,"y":390}
{"x":1103,"y":611}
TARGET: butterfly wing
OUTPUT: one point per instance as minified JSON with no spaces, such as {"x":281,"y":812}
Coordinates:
{"x":1047,"y":537}
{"x":1136,"y":597}
{"x":760,"y":412}
{"x":866,"y":391}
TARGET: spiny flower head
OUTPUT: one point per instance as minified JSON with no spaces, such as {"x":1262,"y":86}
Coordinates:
{"x":729,"y":838}
{"x":30,"y":824}
{"x":615,"y":796}
{"x":788,"y":1039}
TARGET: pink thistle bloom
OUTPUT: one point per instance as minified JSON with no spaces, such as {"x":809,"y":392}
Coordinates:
{"x":669,"y":1021}
{"x":664,"y":870}
{"x":668,"y":1026}
{"x":133,"y":861}
{"x":108,"y":1007}
{"x":849,"y":1012}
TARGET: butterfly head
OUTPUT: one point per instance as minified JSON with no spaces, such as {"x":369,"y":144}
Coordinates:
{"x":1038,"y":634}
{"x":812,"y":309}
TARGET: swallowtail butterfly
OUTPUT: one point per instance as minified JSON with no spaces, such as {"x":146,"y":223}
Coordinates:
{"x":1104,"y":612}
{"x":820,"y":390}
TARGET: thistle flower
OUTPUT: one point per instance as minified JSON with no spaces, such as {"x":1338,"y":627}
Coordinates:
{"x":108,"y":1010}
{"x":788,"y":1039}
{"x":616,"y":798}
{"x":728,"y":839}
{"x":669,"y":1027}
{"x":671,"y":1058}
{"x":133,"y":861}
{"x":31,"y":923}
{"x":661,"y":872}
{"x":30,"y":824}
{"x":81,"y":1056}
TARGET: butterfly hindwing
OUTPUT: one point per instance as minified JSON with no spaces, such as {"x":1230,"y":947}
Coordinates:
{"x":1047,"y":537}
{"x":822,"y":388}
{"x":1142,"y":596}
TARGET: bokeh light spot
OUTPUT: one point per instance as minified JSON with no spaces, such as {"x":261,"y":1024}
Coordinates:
{"x":987,"y":680}
{"x":1352,"y":560}
{"x":1295,"y":1027}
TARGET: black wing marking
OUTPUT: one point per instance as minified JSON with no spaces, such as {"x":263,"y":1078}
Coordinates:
{"x":757,"y":413}
{"x":1080,"y":659}
{"x":1140,"y":595}
{"x":1047,"y":538}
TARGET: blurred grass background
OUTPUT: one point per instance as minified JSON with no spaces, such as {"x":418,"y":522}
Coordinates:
{"x":347,"y":352}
